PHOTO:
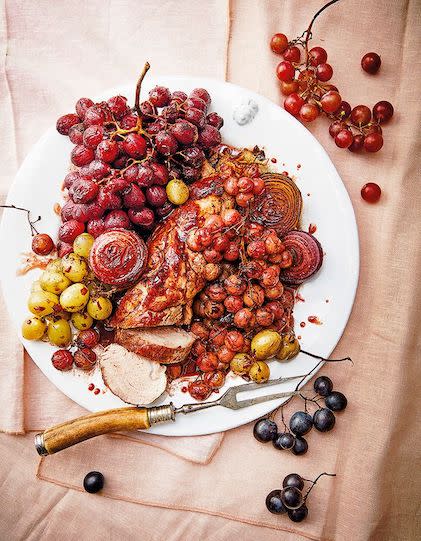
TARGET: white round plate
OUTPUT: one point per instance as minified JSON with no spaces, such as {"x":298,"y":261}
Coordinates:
{"x":329,"y":295}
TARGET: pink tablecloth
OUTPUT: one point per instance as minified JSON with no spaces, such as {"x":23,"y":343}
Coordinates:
{"x":50,"y":55}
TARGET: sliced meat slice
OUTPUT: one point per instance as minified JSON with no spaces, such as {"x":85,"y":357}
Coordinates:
{"x":164,"y":345}
{"x":132,"y":378}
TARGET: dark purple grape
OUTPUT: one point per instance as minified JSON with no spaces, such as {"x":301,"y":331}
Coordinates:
{"x":323,"y":420}
{"x":293,"y":480}
{"x":300,"y":423}
{"x":209,"y":137}
{"x":166,"y":143}
{"x":300,"y":447}
{"x":265,"y":430}
{"x":193,"y":156}
{"x":215,"y":120}
{"x":298,"y":515}
{"x":274,"y":503}
{"x":148,"y":111}
{"x":292,"y":497}
{"x":336,"y":401}
{"x":156,"y":196}
{"x":93,"y":482}
{"x":284,"y":441}
{"x":323,"y":385}
{"x":191,"y":174}
{"x":134,"y":198}
{"x":166,"y":209}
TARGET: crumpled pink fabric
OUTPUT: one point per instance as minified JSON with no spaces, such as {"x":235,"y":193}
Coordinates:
{"x":373,"y":449}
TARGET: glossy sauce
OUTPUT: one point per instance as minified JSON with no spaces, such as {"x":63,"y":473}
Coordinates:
{"x":315,"y":320}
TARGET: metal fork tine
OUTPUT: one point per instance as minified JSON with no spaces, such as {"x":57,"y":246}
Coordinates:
{"x":259,"y":399}
{"x":252,"y":386}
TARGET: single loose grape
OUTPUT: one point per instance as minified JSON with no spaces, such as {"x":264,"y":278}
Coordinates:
{"x":33,"y":328}
{"x":74,"y":298}
{"x":54,"y":282}
{"x":99,"y":308}
{"x":82,"y":244}
{"x":177,"y":191}
{"x":74,"y":267}
{"x":82,"y":320}
{"x":42,"y":303}
{"x":59,"y":333}
{"x":265,"y":344}
{"x":241,"y":363}
{"x":290,"y":347}
{"x":259,"y":372}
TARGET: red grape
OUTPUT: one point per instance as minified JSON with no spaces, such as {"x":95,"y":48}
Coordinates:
{"x":96,"y":227}
{"x":292,"y":54}
{"x":81,"y":155}
{"x":209,"y":136}
{"x":371,"y":192}
{"x":69,"y":230}
{"x":160,"y":96}
{"x":331,"y":101}
{"x":117,"y":219}
{"x":293,"y":103}
{"x":285,"y":71}
{"x":360,"y":115}
{"x":201,"y":93}
{"x":145,"y":175}
{"x":324,"y":72}
{"x":357,"y":143}
{"x":118,"y":106}
{"x":371,"y":63}
{"x":279,"y":43}
{"x":160,"y":173}
{"x":144,"y":217}
{"x":62,"y":359}
{"x":76,"y":134}
{"x":344,"y":110}
{"x":373,"y":142}
{"x":99,"y":169}
{"x":317,"y":56}
{"x":108,"y":200}
{"x":156,"y":195}
{"x":107,"y":151}
{"x":383,"y":111}
{"x":42,"y":244}
{"x":65,"y":122}
{"x":134,"y":145}
{"x":82,"y":105}
{"x":288,"y":88}
{"x":215,"y":120}
{"x":70,"y":178}
{"x":185,"y":132}
{"x":344,"y":138}
{"x":134,"y":198}
{"x":195,"y":116}
{"x":207,"y":362}
{"x":336,"y":127}
{"x":83,"y":190}
{"x":193,"y":156}
{"x":63,"y":248}
{"x":179,"y":96}
{"x":309,"y":112}
{"x":166,"y":143}
{"x":129,"y":121}
{"x":196,"y":102}
{"x":94,"y":115}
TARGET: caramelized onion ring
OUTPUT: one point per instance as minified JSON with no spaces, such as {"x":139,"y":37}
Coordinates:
{"x":279,"y":206}
{"x":307,"y":256}
{"x":118,"y":257}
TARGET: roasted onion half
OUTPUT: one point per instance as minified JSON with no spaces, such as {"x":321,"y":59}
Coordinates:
{"x":279,"y":206}
{"x":307,"y":257}
{"x":118,"y":257}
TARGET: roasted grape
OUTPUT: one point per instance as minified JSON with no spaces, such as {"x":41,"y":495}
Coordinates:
{"x":75,"y":267}
{"x":259,"y":372}
{"x":33,"y":328}
{"x":99,"y":308}
{"x":82,"y":245}
{"x":42,"y":303}
{"x":59,"y":333}
{"x":82,"y":320}
{"x":74,"y":298}
{"x":265,"y":344}
{"x":54,"y":282}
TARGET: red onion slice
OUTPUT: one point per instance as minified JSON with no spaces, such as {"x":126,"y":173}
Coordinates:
{"x":307,"y":255}
{"x":118,"y":257}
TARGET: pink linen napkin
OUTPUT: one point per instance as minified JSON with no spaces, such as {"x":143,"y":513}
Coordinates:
{"x":94,"y":47}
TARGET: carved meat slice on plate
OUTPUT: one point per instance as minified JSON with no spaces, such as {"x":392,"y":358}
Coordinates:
{"x":175,"y":274}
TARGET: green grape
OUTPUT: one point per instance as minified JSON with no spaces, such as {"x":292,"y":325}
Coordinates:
{"x":82,"y":244}
{"x":99,"y":308}
{"x":74,"y":298}
{"x":59,"y":314}
{"x":42,"y":303}
{"x":74,"y":267}
{"x":55,"y":266}
{"x":59,"y":333}
{"x":33,"y":328}
{"x":55,"y":282}
{"x":82,"y":320}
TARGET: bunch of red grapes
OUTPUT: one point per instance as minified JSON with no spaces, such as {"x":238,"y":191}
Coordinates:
{"x":124,"y":158}
{"x":305,"y":83}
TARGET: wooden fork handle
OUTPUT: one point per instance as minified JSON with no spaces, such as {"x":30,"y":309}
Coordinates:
{"x":65,"y":435}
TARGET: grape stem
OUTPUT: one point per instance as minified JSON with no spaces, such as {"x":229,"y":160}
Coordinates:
{"x":326,"y":360}
{"x":138,"y":86}
{"x":315,"y":481}
{"x":308,"y":31}
{"x":34,"y":230}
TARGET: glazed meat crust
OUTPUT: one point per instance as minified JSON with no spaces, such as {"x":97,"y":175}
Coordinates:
{"x":175,"y":274}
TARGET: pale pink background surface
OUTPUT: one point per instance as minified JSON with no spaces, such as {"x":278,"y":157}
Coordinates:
{"x":51,"y":54}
